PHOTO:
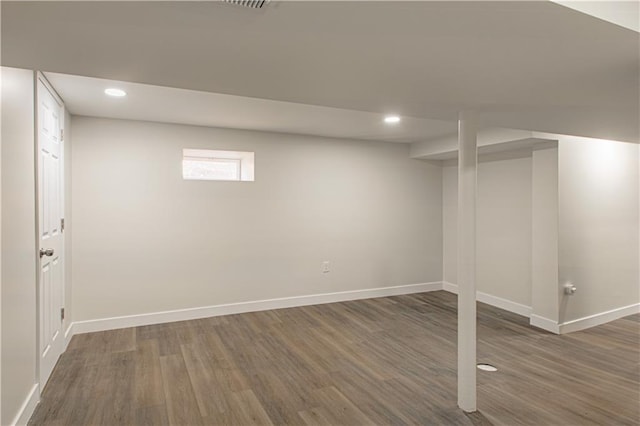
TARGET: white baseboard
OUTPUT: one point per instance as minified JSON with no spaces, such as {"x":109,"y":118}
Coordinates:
{"x":451,"y":288}
{"x":28,"y":407}
{"x":68,"y":335}
{"x":599,"y":319}
{"x":585,"y":322}
{"x":318,"y":299}
{"x":544,"y":323}
{"x":238,"y":308}
{"x":498,"y":302}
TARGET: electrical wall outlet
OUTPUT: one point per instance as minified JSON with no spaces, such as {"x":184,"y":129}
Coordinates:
{"x":325,"y":267}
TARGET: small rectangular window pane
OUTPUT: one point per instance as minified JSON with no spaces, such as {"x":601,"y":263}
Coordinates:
{"x":208,"y":164}
{"x":211,"y":168}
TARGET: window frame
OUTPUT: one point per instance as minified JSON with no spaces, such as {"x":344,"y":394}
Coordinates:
{"x":244,"y":159}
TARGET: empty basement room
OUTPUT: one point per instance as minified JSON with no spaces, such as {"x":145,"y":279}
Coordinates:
{"x":320,"y":213}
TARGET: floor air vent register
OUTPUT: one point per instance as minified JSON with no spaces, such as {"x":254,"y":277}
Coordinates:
{"x":253,"y":4}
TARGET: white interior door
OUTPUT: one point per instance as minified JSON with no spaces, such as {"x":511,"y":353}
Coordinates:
{"x":51,"y":242}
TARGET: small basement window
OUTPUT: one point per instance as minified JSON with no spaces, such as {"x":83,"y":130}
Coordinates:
{"x":206,"y":164}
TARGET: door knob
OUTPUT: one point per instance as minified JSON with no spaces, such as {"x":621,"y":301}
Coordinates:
{"x":46,"y":252}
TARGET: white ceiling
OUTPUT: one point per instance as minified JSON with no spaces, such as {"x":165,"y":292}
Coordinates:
{"x":532,"y":65}
{"x":85,"y":96}
{"x":625,"y":13}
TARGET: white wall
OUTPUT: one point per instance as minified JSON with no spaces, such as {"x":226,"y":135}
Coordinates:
{"x":503,"y":228}
{"x":144,"y":240}
{"x":545,"y":288}
{"x":68,"y":224}
{"x":450,"y":225}
{"x":18,"y":242}
{"x":582,"y":202}
{"x":599,"y":220}
{"x":0,"y":256}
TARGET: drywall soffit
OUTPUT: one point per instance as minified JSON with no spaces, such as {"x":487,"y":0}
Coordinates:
{"x":491,"y":142}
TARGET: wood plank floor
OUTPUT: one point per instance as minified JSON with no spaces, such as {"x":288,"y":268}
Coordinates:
{"x":379,"y":361}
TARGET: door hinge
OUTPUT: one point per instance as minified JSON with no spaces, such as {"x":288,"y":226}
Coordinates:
{"x":62,"y":224}
{"x":62,"y":314}
{"x":61,"y":134}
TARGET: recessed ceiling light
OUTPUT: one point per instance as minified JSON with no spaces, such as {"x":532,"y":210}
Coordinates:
{"x":118,"y":93}
{"x":391,"y":119}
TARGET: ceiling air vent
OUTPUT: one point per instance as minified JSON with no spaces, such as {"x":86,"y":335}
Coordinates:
{"x":254,"y":4}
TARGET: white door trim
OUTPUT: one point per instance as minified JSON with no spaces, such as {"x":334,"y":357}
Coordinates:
{"x":39,"y":78}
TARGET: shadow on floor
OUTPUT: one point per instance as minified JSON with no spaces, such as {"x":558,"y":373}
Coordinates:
{"x":478,"y":419}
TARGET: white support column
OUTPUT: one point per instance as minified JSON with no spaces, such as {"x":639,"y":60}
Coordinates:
{"x":467,"y":181}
